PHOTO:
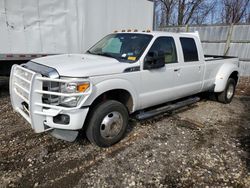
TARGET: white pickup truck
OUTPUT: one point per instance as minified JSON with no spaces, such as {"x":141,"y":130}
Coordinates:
{"x":124,"y":73}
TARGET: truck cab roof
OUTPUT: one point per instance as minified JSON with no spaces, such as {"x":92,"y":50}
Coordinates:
{"x":163,"y":33}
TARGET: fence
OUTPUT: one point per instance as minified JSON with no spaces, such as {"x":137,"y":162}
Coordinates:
{"x":231,"y":40}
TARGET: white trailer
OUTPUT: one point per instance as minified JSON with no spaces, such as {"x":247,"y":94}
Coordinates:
{"x":34,"y":28}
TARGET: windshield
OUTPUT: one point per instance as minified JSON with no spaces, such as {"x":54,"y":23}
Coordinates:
{"x":125,"y":47}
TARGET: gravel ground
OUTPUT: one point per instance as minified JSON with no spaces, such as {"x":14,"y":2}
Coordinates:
{"x":207,"y":144}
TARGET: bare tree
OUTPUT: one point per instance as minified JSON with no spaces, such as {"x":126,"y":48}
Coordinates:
{"x":194,"y":11}
{"x":167,"y":7}
{"x":234,"y":11}
{"x":204,"y":13}
{"x":182,"y":12}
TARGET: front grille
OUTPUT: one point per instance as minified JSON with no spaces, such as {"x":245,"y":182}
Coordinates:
{"x":22,"y":84}
{"x":53,"y":87}
{"x":50,"y":86}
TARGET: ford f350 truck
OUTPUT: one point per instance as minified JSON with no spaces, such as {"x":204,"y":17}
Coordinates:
{"x":124,"y":73}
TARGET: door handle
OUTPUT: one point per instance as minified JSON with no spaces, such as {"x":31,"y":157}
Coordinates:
{"x":175,"y":70}
{"x":199,"y":69}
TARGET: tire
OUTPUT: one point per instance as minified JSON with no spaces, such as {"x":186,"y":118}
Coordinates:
{"x":107,"y":124}
{"x":227,"y":95}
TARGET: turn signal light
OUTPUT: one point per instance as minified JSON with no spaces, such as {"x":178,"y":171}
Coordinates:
{"x":82,"y":87}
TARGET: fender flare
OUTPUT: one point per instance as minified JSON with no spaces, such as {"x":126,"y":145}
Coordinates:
{"x":223,"y":75}
{"x":113,"y":84}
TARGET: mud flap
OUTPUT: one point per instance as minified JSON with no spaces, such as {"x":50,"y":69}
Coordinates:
{"x":67,"y":135}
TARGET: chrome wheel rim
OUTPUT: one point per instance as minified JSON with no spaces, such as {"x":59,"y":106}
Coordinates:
{"x":230,"y":91}
{"x":111,"y":125}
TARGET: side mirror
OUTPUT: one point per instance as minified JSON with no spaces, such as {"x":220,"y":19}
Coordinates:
{"x":154,"y":60}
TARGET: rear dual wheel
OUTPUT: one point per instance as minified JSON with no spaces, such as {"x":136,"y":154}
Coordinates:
{"x":227,"y":95}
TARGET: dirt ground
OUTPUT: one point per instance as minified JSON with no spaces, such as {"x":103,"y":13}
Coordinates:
{"x":207,"y":144}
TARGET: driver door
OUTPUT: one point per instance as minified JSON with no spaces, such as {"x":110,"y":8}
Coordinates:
{"x":158,"y":83}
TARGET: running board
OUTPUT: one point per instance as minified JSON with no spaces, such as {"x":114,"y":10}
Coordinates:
{"x":167,"y":108}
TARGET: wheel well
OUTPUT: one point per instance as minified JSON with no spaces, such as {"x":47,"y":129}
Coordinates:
{"x":234,"y":75}
{"x":121,"y":95}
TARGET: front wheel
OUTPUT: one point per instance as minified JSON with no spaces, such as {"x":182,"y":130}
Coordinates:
{"x":107,"y":124}
{"x":227,"y":95}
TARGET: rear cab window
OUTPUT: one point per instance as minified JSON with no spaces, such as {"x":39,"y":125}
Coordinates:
{"x":189,"y":49}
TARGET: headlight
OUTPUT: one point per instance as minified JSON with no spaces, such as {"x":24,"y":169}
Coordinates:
{"x":73,"y":87}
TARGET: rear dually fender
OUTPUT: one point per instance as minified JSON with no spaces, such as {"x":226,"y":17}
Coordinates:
{"x":226,"y":70}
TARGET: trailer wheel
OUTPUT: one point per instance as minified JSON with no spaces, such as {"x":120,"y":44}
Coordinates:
{"x":107,"y":124}
{"x":227,"y":95}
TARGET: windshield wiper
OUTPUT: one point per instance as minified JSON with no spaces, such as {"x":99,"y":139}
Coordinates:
{"x":106,"y":55}
{"x":89,"y":52}
{"x":103,"y":54}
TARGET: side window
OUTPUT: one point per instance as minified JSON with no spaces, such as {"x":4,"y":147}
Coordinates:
{"x":189,"y":49}
{"x":166,"y":47}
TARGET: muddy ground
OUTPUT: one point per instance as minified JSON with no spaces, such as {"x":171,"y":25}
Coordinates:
{"x":207,"y":144}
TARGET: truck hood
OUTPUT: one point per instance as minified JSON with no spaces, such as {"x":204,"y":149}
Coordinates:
{"x":83,"y":65}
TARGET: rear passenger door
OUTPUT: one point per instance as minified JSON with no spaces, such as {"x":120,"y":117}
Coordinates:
{"x":189,"y":76}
